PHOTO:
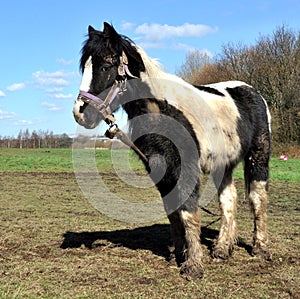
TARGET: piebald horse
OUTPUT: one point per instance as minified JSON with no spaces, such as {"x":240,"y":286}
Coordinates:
{"x":183,"y":131}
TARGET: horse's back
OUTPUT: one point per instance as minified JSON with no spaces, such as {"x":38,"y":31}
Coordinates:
{"x":241,"y":116}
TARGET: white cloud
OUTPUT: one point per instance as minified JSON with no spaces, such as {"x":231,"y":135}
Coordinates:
{"x":51,"y":106}
{"x":16,"y":86}
{"x":53,"y":81}
{"x":188,"y":48}
{"x":127,"y":25}
{"x":64,"y":61}
{"x":56,"y":74}
{"x":152,"y":45}
{"x":61,"y":96}
{"x":2,"y":94}
{"x":7,"y":115}
{"x":23,"y":122}
{"x":156,"y":32}
{"x":54,"y":89}
{"x":56,"y":79}
{"x":184,"y":47}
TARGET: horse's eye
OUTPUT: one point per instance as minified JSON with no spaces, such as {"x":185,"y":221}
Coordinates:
{"x":105,"y":67}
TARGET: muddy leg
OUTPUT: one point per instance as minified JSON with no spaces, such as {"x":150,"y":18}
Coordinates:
{"x":186,"y":234}
{"x":256,"y":171}
{"x":227,"y":235}
{"x":258,"y":200}
{"x":178,"y":236}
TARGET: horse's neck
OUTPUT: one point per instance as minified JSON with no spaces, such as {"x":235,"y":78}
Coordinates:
{"x":135,"y":108}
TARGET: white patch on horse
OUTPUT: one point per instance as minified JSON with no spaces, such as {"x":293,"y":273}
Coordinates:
{"x":213,"y":117}
{"x":268,"y":115}
{"x":186,"y":215}
{"x":76,"y":111}
{"x":227,"y":235}
{"x":257,"y":188}
{"x":87,"y":76}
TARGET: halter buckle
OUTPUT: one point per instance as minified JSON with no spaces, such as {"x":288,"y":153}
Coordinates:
{"x":112,"y":131}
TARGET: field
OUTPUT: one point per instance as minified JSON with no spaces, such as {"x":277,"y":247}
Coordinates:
{"x":54,"y":244}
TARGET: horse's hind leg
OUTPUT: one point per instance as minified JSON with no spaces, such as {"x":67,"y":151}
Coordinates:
{"x":256,"y":177}
{"x":258,"y":200}
{"x":227,"y":235}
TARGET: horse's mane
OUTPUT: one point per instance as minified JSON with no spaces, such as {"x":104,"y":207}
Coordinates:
{"x":155,"y":70}
{"x":90,"y":47}
{"x":152,"y":66}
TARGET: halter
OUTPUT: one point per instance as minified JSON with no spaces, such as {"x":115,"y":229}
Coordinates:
{"x":103,"y":106}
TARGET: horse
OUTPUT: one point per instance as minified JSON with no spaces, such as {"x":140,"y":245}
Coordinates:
{"x":183,"y":131}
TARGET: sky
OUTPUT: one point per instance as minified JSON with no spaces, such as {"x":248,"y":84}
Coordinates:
{"x":41,"y":43}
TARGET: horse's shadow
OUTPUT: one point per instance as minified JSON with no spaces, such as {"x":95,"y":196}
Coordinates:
{"x":156,"y":238}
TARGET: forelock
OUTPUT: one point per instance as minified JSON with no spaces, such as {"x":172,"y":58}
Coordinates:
{"x":93,"y":45}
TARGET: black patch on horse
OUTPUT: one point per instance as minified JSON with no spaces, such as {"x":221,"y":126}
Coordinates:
{"x":209,"y":90}
{"x":253,"y":130}
{"x":161,"y":145}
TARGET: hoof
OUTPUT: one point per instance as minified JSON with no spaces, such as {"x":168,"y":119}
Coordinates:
{"x":191,"y":271}
{"x":261,"y":253}
{"x":221,"y":254}
{"x":172,"y":260}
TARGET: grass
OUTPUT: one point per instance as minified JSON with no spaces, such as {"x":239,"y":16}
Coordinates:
{"x":60,"y":160}
{"x":36,"y":160}
{"x":54,"y":244}
{"x":279,"y":170}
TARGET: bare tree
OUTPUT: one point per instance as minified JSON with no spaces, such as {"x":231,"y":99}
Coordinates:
{"x":194,"y":62}
{"x":272,"y":66}
{"x":40,"y":139}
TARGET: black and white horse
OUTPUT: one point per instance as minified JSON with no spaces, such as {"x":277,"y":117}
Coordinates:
{"x":183,"y":130}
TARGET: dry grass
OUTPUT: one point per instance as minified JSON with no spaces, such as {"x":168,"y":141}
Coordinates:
{"x":55,"y":245}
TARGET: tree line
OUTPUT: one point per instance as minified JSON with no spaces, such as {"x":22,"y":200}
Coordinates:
{"x":272,"y":66}
{"x":36,"y":139}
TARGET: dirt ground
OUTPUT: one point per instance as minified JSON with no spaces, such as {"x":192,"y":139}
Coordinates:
{"x":54,"y":244}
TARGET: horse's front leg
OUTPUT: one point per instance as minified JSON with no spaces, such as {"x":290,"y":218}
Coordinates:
{"x":180,"y":197}
{"x":185,"y":228}
{"x":192,"y":267}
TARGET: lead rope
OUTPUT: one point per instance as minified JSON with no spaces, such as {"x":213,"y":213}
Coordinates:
{"x":118,"y":133}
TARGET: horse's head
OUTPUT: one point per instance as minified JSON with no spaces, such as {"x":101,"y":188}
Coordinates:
{"x":108,"y":60}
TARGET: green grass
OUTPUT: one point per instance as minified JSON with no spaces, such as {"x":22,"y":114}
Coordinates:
{"x":61,"y":160}
{"x":36,"y":160}
{"x":279,"y":170}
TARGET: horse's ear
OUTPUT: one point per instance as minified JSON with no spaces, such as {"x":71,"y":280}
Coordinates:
{"x":110,"y":32}
{"x":91,"y":30}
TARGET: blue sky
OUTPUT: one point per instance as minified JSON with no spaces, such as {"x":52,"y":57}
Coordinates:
{"x":41,"y":43}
